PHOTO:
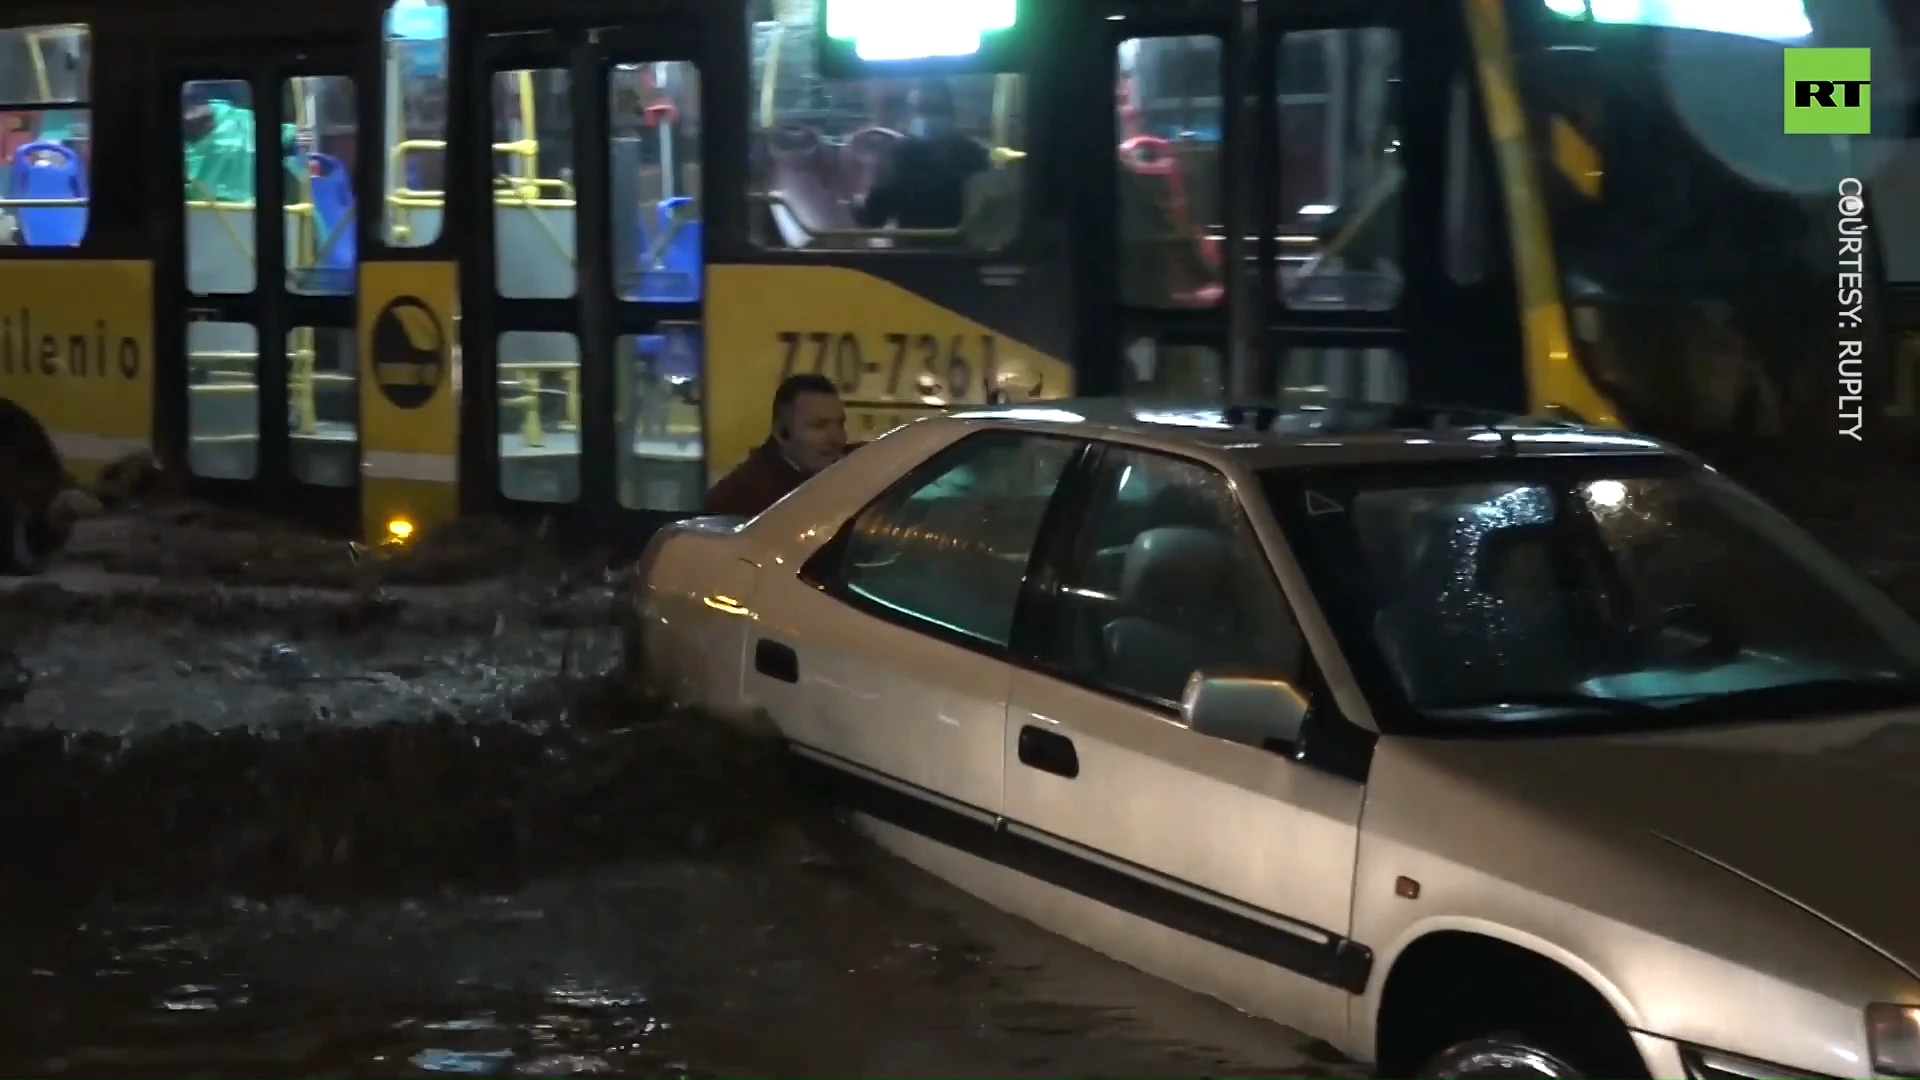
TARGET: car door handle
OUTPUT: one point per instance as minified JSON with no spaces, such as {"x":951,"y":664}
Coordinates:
{"x":776,"y":661}
{"x":1048,"y":751}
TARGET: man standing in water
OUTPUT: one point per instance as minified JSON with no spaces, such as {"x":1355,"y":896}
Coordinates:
{"x":809,"y":434}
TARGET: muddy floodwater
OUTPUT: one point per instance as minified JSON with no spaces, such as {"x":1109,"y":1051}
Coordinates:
{"x":750,"y":966}
{"x":272,"y":806}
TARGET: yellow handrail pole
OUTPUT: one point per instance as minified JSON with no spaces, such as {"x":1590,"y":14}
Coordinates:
{"x":306,"y":358}
{"x":309,"y":221}
{"x":530,"y":431}
{"x":771,"y":75}
{"x":531,"y":163}
{"x":398,"y":226}
{"x":41,"y":79}
{"x":300,"y":340}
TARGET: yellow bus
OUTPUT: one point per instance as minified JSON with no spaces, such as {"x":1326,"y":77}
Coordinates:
{"x":551,"y":259}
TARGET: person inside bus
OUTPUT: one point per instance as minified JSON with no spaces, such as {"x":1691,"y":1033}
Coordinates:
{"x":924,"y":183}
{"x":809,"y":434}
{"x":218,"y":142}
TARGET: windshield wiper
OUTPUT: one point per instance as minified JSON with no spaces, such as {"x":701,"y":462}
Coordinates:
{"x":1864,"y":693}
{"x":1570,"y":701}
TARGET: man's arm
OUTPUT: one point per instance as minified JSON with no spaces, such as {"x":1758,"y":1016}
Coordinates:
{"x":882,"y":204}
{"x":876,"y":209}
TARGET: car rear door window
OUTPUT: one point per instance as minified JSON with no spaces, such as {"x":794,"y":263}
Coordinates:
{"x":1164,"y":578}
{"x":951,"y":549}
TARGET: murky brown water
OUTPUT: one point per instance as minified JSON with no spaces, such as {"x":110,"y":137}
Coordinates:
{"x":394,"y":830}
{"x":700,"y":968}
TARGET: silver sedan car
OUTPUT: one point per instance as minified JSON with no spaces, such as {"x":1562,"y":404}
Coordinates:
{"x":1475,"y":748}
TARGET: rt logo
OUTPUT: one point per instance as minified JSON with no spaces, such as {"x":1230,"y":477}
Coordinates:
{"x":1829,"y":91}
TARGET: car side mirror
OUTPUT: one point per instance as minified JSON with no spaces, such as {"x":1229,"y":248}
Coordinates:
{"x":1260,"y":711}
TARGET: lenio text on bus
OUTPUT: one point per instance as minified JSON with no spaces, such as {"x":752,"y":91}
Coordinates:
{"x":98,"y":354}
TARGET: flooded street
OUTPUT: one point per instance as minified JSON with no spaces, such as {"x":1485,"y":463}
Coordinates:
{"x":274,"y":806}
{"x":278,"y":808}
{"x":714,"y":967}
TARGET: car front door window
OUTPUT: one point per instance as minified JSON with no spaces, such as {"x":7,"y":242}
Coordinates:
{"x":1164,"y":578}
{"x":950,"y":550}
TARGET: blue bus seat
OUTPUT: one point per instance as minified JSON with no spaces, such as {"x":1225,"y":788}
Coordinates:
{"x":332,"y":187}
{"x":335,"y":244}
{"x":675,"y":278}
{"x":49,"y":170}
{"x":678,"y":368}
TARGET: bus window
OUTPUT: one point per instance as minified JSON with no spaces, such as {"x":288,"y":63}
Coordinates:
{"x":216,"y":157}
{"x":223,"y":402}
{"x":654,"y":155}
{"x":1336,"y":373}
{"x":930,"y":162}
{"x":318,"y":199}
{"x":654,"y":185}
{"x":1167,"y":108}
{"x":533,"y":200}
{"x":323,"y":403}
{"x":45,"y":114}
{"x":658,"y":410}
{"x":539,"y":440}
{"x":1160,"y":369}
{"x":1340,"y":176}
{"x":414,"y":78}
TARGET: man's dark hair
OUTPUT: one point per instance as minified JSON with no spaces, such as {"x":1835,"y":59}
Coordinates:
{"x":793,"y":386}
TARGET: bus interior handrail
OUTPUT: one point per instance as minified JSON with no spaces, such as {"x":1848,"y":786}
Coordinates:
{"x":1376,"y":200}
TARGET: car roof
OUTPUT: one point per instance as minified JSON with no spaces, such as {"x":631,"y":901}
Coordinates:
{"x":1278,"y":434}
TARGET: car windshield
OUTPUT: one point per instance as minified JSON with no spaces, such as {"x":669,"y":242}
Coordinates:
{"x":1611,"y":592}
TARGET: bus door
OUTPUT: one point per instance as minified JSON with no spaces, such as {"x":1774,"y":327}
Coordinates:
{"x":1383,"y":270}
{"x":259,"y":300}
{"x":1372,"y":260}
{"x":1156,"y":264}
{"x":1383,"y":264}
{"x":587,"y":313}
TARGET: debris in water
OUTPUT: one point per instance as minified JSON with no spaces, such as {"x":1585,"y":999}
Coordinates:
{"x":465,"y":1062}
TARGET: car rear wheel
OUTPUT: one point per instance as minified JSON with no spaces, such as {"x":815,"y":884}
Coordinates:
{"x":1509,"y":1055}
